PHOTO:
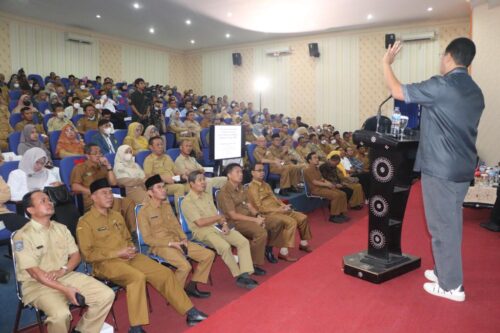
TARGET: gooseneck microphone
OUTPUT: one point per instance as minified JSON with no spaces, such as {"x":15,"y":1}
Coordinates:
{"x":379,"y":112}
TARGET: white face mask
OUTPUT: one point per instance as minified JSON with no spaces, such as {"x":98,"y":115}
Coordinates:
{"x":82,"y":87}
{"x":16,"y":85}
{"x":323,"y":142}
{"x":92,"y":118}
{"x":76,"y":105}
{"x":128,"y":157}
{"x":107,"y":130}
{"x":60,"y":115}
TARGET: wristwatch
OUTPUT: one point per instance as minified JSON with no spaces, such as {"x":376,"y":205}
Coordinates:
{"x":65,"y":268}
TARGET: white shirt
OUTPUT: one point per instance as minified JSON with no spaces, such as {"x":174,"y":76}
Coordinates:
{"x":18,"y":182}
{"x":346,"y":163}
{"x":68,"y":112}
{"x":170,"y":111}
{"x":107,"y":103}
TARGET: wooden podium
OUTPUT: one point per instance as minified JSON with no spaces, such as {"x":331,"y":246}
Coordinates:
{"x":391,"y":176}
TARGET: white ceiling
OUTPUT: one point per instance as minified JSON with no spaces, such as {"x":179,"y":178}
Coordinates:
{"x":245,"y":20}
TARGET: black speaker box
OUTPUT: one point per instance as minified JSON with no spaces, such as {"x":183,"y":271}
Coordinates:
{"x":390,"y":39}
{"x":313,"y":50}
{"x":237,"y":59}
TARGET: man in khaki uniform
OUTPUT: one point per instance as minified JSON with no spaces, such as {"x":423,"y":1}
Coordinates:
{"x":209,"y":227}
{"x":323,"y":188}
{"x":234,"y":203}
{"x":59,"y":120}
{"x":89,"y":121}
{"x":186,"y":164}
{"x":303,"y":148}
{"x":262,"y":197}
{"x":96,"y":167}
{"x":349,"y":185}
{"x":276,"y":156}
{"x":162,"y":231}
{"x":46,"y":255}
{"x":106,"y":243}
{"x":27,"y":116}
{"x":159,"y":163}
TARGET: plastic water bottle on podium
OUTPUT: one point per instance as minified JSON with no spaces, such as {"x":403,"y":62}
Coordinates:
{"x":396,"y":121}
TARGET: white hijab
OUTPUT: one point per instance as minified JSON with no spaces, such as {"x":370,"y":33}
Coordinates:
{"x":35,"y":180}
{"x":124,"y":168}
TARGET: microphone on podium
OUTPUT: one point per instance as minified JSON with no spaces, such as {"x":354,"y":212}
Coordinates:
{"x":379,"y":112}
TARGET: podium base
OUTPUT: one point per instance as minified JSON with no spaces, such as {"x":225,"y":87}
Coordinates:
{"x":365,"y":267}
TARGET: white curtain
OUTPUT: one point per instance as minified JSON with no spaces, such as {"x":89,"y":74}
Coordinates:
{"x":41,"y":50}
{"x":276,"y":97}
{"x":218,"y":73}
{"x":417,"y":61}
{"x":337,"y":82}
{"x":151,"y":65}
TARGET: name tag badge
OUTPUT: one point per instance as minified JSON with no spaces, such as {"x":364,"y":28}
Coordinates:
{"x":102,"y":228}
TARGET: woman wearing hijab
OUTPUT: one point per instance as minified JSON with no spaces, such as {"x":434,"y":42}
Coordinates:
{"x":30,"y":139}
{"x":32,"y":174}
{"x":134,"y":138}
{"x":129,"y":174}
{"x":69,"y":143}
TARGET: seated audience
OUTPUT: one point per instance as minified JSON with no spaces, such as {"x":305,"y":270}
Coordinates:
{"x":106,"y":243}
{"x":354,"y":168}
{"x":11,"y":220}
{"x":89,"y":121}
{"x":74,"y":108}
{"x":129,"y":174}
{"x":69,"y":143}
{"x":105,"y":138}
{"x":5,"y":128}
{"x":27,"y":115}
{"x":29,"y":138}
{"x":156,"y":117}
{"x":186,"y":164}
{"x":24,"y":101}
{"x":292,"y":155}
{"x":46,"y":255}
{"x":58,"y":120}
{"x":234,"y":203}
{"x":262,"y":197}
{"x":161,"y":230}
{"x":201,"y":215}
{"x":182,"y":133}
{"x":134,"y":138}
{"x":323,"y":188}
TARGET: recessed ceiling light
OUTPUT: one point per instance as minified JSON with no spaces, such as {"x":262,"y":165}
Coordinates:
{"x":369,"y":16}
{"x":429,"y":9}
{"x":98,"y":16}
{"x":136,"y":5}
{"x":228,"y":35}
{"x":229,"y":14}
{"x":151,"y":30}
{"x":188,"y":22}
{"x":192,"y":41}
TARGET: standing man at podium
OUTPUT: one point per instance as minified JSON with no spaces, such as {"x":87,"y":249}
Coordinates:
{"x":452,"y":104}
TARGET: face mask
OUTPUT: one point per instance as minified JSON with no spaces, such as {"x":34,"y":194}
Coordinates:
{"x":60,"y":115}
{"x":26,"y":102}
{"x":323,"y":142}
{"x":76,"y":105}
{"x":127,"y":157}
{"x":107,"y":130}
{"x":82,"y":87}
{"x":16,"y":85}
{"x":92,"y":118}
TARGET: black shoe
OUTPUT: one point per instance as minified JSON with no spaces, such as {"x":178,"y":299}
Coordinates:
{"x":346,"y":218}
{"x":197,"y":293}
{"x":284,"y":192}
{"x":270,"y":256}
{"x":246,"y":282}
{"x":258,"y":271}
{"x":75,"y":331}
{"x":136,"y":329}
{"x":194,"y":316}
{"x":336,"y":219}
{"x":358,"y":207}
{"x":294,"y":189}
{"x":491,"y":226}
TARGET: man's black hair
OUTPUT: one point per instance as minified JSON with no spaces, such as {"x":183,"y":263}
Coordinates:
{"x":309,"y":156}
{"x":28,"y":201}
{"x":462,"y":50}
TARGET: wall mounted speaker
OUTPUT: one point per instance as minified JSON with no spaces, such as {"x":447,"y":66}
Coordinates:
{"x":237,"y":59}
{"x":313,"y":50}
{"x":390,"y":39}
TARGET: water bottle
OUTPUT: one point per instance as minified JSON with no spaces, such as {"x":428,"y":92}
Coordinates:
{"x":396,"y":120}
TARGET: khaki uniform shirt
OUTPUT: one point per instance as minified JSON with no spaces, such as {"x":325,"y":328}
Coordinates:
{"x":195,"y":207}
{"x":85,"y":124}
{"x":84,"y":174}
{"x":205,"y":123}
{"x":232,"y":198}
{"x":303,"y":151}
{"x":276,"y":153}
{"x":262,"y":197}
{"x":101,"y":237}
{"x":187,"y":164}
{"x":158,"y":224}
{"x":193,"y":126}
{"x":20,"y":126}
{"x":312,"y":173}
{"x":56,"y":124}
{"x":159,"y":165}
{"x":259,"y":153}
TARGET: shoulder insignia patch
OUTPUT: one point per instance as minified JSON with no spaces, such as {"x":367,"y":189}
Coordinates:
{"x":18,"y":245}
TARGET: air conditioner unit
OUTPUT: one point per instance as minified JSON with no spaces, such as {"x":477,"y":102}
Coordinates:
{"x":75,"y":38}
{"x":418,"y":36}
{"x":279,"y":51}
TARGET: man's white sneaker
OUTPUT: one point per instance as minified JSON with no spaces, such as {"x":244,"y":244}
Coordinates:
{"x":457,"y":295}
{"x":429,"y":275}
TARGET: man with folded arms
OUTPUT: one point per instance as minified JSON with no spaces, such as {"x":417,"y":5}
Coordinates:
{"x":105,"y":242}
{"x":261,"y":197}
{"x":263,"y":235}
{"x":161,"y":230}
{"x":211,"y":228}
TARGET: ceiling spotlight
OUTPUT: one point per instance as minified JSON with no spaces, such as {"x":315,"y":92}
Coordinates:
{"x":98,"y":16}
{"x":151,"y":30}
{"x":229,"y":14}
{"x":369,"y":16}
{"x":136,"y":5}
{"x":188,"y":22}
{"x":228,"y":35}
{"x":429,"y":9}
{"x":192,"y":41}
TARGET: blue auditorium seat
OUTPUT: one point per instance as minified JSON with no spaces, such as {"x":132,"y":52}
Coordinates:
{"x":174,"y":153}
{"x":13,"y":104}
{"x":141,"y":156}
{"x":203,"y":136}
{"x":120,"y":135}
{"x":15,"y":94}
{"x":53,"y":138}
{"x":14,"y":119}
{"x":87,"y":137}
